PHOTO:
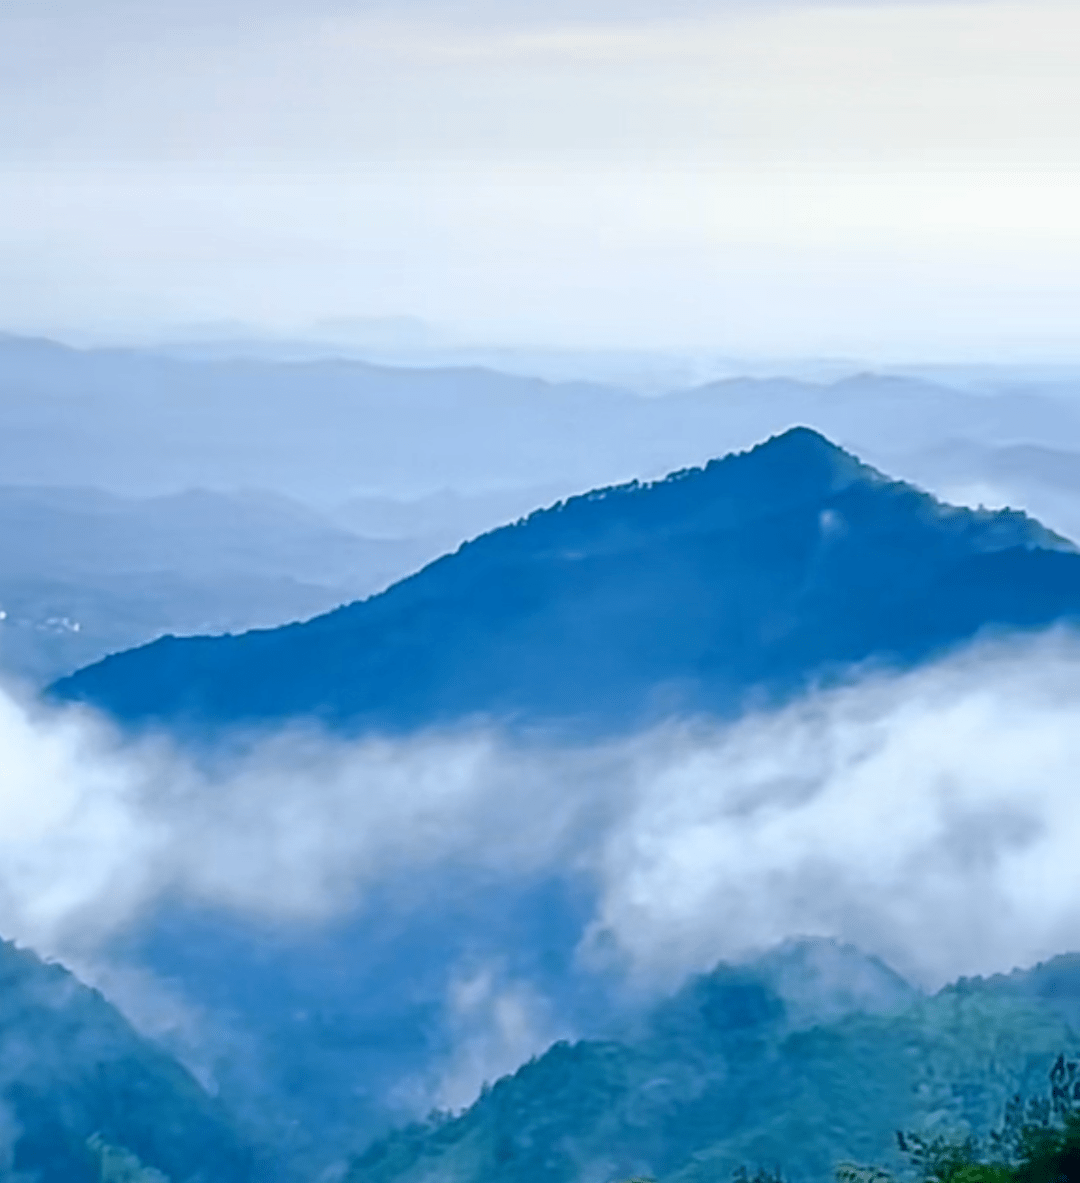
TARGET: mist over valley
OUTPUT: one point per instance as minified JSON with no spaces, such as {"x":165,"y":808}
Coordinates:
{"x":535,"y":764}
{"x":539,"y":591}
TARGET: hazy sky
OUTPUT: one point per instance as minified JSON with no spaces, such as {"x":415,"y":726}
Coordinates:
{"x":888,"y":178}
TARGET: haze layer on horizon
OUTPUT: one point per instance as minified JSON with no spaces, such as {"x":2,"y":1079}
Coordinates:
{"x":885,"y":178}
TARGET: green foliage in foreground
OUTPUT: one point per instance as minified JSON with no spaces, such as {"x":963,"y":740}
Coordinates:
{"x":1038,"y":1142}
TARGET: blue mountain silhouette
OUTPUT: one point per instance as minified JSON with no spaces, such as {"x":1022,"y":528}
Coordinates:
{"x":745,"y":580}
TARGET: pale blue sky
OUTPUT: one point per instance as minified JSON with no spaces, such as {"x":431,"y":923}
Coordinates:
{"x":891,"y":179}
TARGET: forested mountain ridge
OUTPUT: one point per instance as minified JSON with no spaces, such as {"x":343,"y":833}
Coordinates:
{"x":747,"y":579}
{"x":722,"y":1077}
{"x":810,"y":1055}
{"x":77,"y":1082}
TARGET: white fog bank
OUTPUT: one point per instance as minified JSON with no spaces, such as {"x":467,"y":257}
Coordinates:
{"x":931,"y":818}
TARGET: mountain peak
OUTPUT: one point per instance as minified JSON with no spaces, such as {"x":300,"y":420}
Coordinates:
{"x":755,"y":576}
{"x":798,"y":451}
{"x":821,"y":979}
{"x":796,"y":467}
{"x":806,"y":439}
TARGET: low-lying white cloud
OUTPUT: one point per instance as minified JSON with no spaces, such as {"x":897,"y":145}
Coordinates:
{"x":931,"y":817}
{"x":93,"y":830}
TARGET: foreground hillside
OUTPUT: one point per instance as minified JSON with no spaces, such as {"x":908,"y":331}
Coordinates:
{"x":79,"y":1086}
{"x":726,"y":1075}
{"x":811,"y":1055}
{"x":747,"y":579}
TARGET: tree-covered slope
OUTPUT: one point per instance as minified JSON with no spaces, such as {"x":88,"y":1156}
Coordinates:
{"x":78,"y":1084}
{"x":723,"y":1077}
{"x":752,"y":576}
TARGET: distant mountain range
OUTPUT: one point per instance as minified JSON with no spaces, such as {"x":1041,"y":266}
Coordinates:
{"x":741,"y":582}
{"x":139,"y":423}
{"x":86,"y":572}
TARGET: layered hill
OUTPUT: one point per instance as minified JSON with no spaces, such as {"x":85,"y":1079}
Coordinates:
{"x":83,"y":1097}
{"x":728,"y":1073}
{"x":743,"y":581}
{"x":87,"y":573}
{"x":139,"y":422}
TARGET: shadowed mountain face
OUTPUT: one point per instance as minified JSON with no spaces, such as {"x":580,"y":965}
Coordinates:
{"x":742,"y":581}
{"x":78,"y":1085}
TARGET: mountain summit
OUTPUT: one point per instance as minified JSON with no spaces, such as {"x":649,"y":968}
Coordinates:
{"x":747,"y":579}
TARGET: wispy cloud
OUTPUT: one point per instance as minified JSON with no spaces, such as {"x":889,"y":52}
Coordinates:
{"x":929,"y":818}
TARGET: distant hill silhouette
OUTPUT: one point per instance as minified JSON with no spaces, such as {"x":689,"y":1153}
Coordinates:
{"x":745,"y":580}
{"x":87,"y":573}
{"x":77,"y":1085}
